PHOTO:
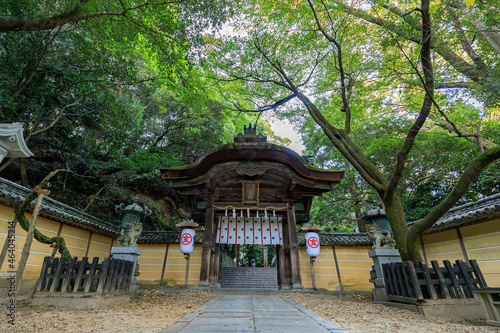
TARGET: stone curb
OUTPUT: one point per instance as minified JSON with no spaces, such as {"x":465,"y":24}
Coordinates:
{"x":184,"y":321}
{"x":313,"y":315}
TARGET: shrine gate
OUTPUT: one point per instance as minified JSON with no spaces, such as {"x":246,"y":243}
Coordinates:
{"x":250,"y":192}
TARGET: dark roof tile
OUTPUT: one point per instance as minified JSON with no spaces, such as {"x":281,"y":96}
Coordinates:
{"x":15,"y":193}
{"x":488,"y":207}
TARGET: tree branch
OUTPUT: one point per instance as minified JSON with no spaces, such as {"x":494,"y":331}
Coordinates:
{"x":452,"y":85}
{"x":428,"y":83}
{"x":469,"y":175}
{"x":70,"y":16}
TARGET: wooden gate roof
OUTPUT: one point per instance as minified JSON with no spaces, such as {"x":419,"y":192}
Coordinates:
{"x":282,"y":176}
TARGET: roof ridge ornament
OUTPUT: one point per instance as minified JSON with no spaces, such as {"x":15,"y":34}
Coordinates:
{"x":12,"y":142}
{"x":250,"y":135}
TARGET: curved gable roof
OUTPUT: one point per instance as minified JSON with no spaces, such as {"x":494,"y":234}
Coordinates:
{"x":249,"y":147}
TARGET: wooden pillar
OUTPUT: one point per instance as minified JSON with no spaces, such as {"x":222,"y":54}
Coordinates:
{"x":238,"y":253}
{"x":284,"y":271}
{"x":264,"y":254}
{"x":186,"y":275}
{"x":294,"y":247}
{"x":215,"y":266}
{"x":207,"y":244}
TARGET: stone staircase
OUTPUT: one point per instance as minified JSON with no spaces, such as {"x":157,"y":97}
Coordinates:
{"x":259,"y":278}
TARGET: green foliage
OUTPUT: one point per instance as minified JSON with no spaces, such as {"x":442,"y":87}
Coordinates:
{"x":278,"y":53}
{"x":252,"y":252}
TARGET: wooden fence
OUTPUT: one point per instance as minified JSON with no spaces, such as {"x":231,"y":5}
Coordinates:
{"x":404,"y":282}
{"x":82,"y":276}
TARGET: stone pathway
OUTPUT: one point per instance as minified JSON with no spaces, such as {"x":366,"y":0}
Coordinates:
{"x":252,"y":313}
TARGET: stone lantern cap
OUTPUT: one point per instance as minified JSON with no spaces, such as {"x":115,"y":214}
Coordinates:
{"x":311,"y":228}
{"x":134,"y":208}
{"x":187,"y":224}
{"x":373,"y":213}
{"x":12,"y":140}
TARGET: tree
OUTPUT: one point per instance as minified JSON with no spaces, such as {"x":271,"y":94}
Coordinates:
{"x":298,"y":53}
{"x":109,"y":90}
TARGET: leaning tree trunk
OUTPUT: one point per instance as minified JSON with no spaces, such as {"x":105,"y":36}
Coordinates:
{"x":56,"y":242}
{"x":29,"y":238}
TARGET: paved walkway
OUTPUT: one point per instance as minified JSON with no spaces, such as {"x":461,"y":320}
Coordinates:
{"x":252,"y":313}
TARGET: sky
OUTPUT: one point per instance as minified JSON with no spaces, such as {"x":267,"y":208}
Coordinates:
{"x":284,"y":129}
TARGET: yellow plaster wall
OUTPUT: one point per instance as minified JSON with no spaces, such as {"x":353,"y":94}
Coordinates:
{"x":482,"y":243}
{"x":151,"y":261}
{"x":324,"y":269}
{"x":354,"y":266}
{"x":176,"y":266}
{"x":38,"y":250}
{"x":76,"y":241}
{"x":442,"y":246}
{"x":100,"y":246}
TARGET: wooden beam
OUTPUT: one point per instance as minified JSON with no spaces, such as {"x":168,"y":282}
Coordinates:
{"x":88,"y":245}
{"x":337,"y":268}
{"x":261,"y":206}
{"x":164,"y":264}
{"x":462,"y":245}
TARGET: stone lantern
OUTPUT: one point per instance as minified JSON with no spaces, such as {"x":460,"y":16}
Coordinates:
{"x":131,"y":229}
{"x":383,"y":250}
{"x":377,"y":216}
{"x":312,"y":246}
{"x":132,"y":215}
{"x":12,"y":141}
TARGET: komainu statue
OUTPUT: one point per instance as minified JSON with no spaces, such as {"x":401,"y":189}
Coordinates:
{"x":129,"y":239}
{"x":378,"y":238}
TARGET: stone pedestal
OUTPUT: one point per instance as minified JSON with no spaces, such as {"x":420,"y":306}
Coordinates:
{"x":130,"y":254}
{"x":381,"y":256}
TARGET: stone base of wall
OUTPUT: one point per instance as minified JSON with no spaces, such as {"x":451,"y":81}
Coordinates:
{"x":445,"y":309}
{"x":80,"y":301}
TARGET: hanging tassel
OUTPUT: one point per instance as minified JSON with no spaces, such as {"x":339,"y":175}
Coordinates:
{"x":265,"y":213}
{"x":234,"y":212}
{"x":248,"y":212}
{"x":226,"y":212}
{"x":241,"y":213}
{"x":274,"y":213}
{"x":257,"y":213}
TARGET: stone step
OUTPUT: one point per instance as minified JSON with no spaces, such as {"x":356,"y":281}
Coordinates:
{"x":248,"y":278}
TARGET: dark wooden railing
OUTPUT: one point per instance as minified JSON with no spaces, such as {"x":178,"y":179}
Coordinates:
{"x":405,"y":282}
{"x":84,"y":276}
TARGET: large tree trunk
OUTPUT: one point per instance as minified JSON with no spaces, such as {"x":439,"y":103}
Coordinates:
{"x":396,"y":217}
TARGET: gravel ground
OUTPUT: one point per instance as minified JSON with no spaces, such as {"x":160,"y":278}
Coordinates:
{"x":152,"y":311}
{"x":358,"y":314}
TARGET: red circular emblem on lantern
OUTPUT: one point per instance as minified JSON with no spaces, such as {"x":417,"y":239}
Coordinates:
{"x":186,"y":239}
{"x":313,"y":242}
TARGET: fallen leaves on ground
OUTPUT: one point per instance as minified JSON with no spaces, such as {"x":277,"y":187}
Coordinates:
{"x":150,"y":312}
{"x":357,"y":314}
